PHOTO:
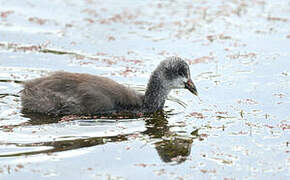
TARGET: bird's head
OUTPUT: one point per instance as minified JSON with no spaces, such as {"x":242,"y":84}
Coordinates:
{"x":177,"y":74}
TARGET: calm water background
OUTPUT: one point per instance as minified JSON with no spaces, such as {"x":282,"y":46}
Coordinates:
{"x":238,"y":51}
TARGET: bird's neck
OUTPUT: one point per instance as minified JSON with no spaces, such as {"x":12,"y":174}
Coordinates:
{"x":155,"y":94}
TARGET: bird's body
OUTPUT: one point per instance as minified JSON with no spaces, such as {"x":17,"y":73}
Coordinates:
{"x":64,"y":93}
{"x":73,"y":93}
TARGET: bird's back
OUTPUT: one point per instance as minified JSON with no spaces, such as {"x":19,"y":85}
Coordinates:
{"x":65,"y":93}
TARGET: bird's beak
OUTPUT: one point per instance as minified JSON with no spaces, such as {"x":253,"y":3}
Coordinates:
{"x":191,"y":87}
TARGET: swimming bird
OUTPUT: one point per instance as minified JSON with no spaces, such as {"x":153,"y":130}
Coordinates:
{"x":65,"y":93}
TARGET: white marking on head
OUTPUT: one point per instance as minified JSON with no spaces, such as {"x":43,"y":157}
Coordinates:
{"x":177,"y":83}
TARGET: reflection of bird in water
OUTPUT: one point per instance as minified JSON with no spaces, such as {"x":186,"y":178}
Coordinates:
{"x":171,"y":148}
{"x":64,"y":93}
{"x":174,"y":150}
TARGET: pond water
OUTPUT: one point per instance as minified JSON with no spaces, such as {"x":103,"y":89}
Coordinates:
{"x":238,"y":53}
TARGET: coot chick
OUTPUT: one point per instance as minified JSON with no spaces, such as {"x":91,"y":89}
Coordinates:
{"x":64,"y":93}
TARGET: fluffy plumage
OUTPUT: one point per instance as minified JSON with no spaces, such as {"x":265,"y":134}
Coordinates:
{"x":64,"y":93}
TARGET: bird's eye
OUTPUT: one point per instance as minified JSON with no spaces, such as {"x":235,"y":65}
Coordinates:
{"x":180,"y":73}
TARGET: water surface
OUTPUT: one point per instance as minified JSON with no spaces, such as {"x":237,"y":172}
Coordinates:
{"x":239,"y":59}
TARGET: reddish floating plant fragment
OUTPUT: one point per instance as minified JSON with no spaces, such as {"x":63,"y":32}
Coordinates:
{"x":37,"y":20}
{"x":224,"y":113}
{"x":89,"y":20}
{"x":247,"y":101}
{"x":5,"y":14}
{"x":204,"y":59}
{"x":20,"y":166}
{"x":197,"y":115}
{"x":284,"y":126}
{"x":277,"y":19}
